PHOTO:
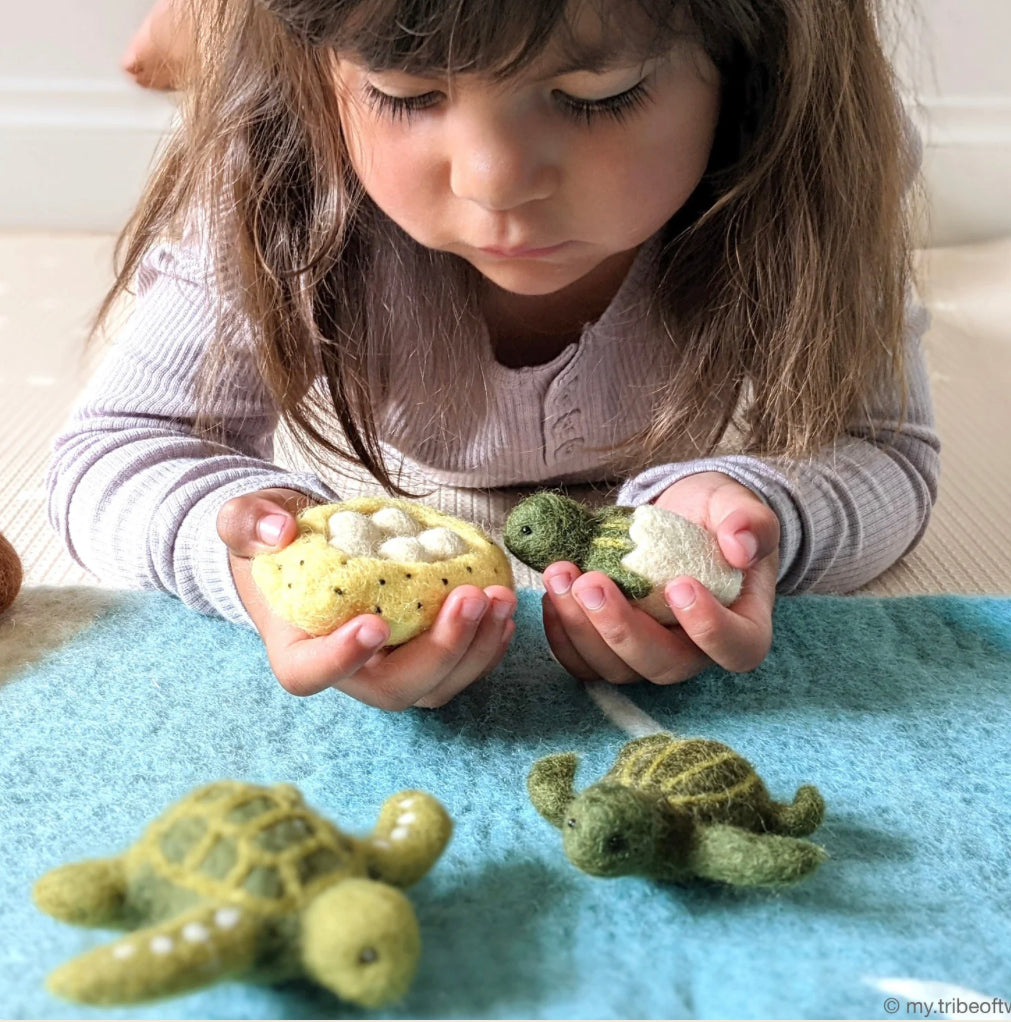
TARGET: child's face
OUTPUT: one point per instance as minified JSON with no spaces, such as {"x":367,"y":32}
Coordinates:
{"x":538,"y":180}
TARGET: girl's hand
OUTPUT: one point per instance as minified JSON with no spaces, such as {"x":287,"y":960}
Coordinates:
{"x":596,"y":633}
{"x":467,"y":640}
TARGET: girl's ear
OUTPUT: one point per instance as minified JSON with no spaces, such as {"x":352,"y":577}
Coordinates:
{"x":550,"y":785}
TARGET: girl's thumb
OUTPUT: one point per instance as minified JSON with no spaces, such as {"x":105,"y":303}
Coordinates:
{"x":255,"y":524}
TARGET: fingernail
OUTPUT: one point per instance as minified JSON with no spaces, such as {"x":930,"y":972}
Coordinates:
{"x":591,"y":598}
{"x":500,"y":610}
{"x":748,"y":542}
{"x":560,"y":584}
{"x":269,"y":528}
{"x":370,"y":635}
{"x":681,"y":595}
{"x":472,"y":609}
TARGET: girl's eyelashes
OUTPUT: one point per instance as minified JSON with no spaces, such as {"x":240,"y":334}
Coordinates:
{"x":617,"y":107}
{"x":399,"y":108}
{"x":585,"y":111}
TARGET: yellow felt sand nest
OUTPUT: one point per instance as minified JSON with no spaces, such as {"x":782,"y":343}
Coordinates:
{"x":374,"y":555}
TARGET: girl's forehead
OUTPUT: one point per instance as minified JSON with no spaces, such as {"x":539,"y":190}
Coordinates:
{"x":503,"y":37}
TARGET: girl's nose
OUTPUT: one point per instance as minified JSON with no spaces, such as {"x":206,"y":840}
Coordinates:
{"x":499,"y":165}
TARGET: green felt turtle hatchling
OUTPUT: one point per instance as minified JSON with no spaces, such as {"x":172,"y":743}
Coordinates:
{"x":373,"y":555}
{"x":641,"y":548}
{"x":237,"y":880}
{"x":673,"y":809}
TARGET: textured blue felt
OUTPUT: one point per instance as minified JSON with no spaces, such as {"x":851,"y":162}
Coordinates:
{"x":898,"y":709}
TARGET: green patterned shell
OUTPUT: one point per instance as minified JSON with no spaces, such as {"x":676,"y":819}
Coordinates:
{"x":703,"y":777}
{"x":259,"y":845}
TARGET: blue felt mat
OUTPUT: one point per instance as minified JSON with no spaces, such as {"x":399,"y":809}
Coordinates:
{"x":897,"y":709}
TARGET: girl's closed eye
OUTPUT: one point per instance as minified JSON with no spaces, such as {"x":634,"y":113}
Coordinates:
{"x":617,"y":106}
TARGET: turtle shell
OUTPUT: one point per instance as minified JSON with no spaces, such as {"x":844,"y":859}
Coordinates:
{"x":707,"y":779}
{"x":372,"y":555}
{"x":242,"y":842}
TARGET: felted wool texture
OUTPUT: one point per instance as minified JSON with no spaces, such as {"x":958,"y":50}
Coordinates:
{"x":895,"y":708}
{"x":229,"y":870}
{"x":641,"y":549}
{"x":10,"y":573}
{"x":650,"y":813}
{"x":401,"y":572}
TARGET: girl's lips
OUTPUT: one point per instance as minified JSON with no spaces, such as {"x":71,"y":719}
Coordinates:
{"x":523,"y":252}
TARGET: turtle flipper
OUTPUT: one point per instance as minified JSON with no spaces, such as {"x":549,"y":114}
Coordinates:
{"x":411,"y":833}
{"x":187,"y":952}
{"x":802,"y":817}
{"x":89,"y":893}
{"x":735,"y":856}
{"x":550,"y":785}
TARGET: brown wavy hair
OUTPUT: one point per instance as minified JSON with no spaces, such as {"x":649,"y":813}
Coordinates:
{"x":782,"y":281}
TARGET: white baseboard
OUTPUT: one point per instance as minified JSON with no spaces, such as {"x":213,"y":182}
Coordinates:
{"x":967,"y":167}
{"x":74,"y":155}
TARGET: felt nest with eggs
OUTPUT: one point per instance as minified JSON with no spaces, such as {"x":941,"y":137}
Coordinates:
{"x":374,"y":555}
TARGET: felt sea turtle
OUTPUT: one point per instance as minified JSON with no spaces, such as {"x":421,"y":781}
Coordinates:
{"x":641,"y":548}
{"x":238,"y":880}
{"x":374,"y":555}
{"x":673,"y":809}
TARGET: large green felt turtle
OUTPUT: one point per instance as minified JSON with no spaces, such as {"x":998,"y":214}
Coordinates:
{"x":641,"y":548}
{"x":674,"y":809}
{"x":241,"y":880}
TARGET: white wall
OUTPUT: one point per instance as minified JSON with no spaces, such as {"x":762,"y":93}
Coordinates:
{"x":955,"y":58}
{"x":76,"y":138}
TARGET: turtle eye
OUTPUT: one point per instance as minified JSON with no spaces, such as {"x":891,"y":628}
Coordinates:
{"x":570,"y":822}
{"x":368,"y":955}
{"x":616,"y":844}
{"x":526,"y":530}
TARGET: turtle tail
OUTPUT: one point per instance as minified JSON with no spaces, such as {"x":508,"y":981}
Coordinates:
{"x":182,"y":954}
{"x":800,"y":818}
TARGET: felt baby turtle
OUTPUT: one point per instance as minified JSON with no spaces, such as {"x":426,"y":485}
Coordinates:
{"x":641,"y":548}
{"x":673,"y":809}
{"x":238,"y":880}
{"x":374,"y":555}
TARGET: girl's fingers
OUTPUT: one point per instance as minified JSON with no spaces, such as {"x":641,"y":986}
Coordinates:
{"x":737,"y":639}
{"x":562,"y":582}
{"x":645,"y":647}
{"x":747,"y":536}
{"x":259,"y":522}
{"x":305,"y":665}
{"x":561,"y":645}
{"x":486,"y":649}
{"x":495,"y":633}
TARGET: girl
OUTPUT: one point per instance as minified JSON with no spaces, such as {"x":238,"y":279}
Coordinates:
{"x":510,"y":242}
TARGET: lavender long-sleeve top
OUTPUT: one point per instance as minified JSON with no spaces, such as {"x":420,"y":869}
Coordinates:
{"x":135,"y":494}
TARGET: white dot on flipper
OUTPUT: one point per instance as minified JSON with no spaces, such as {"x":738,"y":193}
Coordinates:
{"x":399,"y":833}
{"x":226,"y":918}
{"x":196,"y":933}
{"x":161,"y":945}
{"x":379,"y":843}
{"x":405,"y":818}
{"x":123,"y":951}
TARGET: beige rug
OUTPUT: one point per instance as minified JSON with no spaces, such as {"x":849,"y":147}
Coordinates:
{"x":50,"y":285}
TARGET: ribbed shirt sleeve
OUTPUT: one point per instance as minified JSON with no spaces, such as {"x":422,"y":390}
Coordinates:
{"x":851,"y":512}
{"x":133,"y":492}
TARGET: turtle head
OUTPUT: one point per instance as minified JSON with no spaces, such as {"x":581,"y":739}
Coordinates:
{"x":610,"y":830}
{"x":360,"y":940}
{"x":548,"y":527}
